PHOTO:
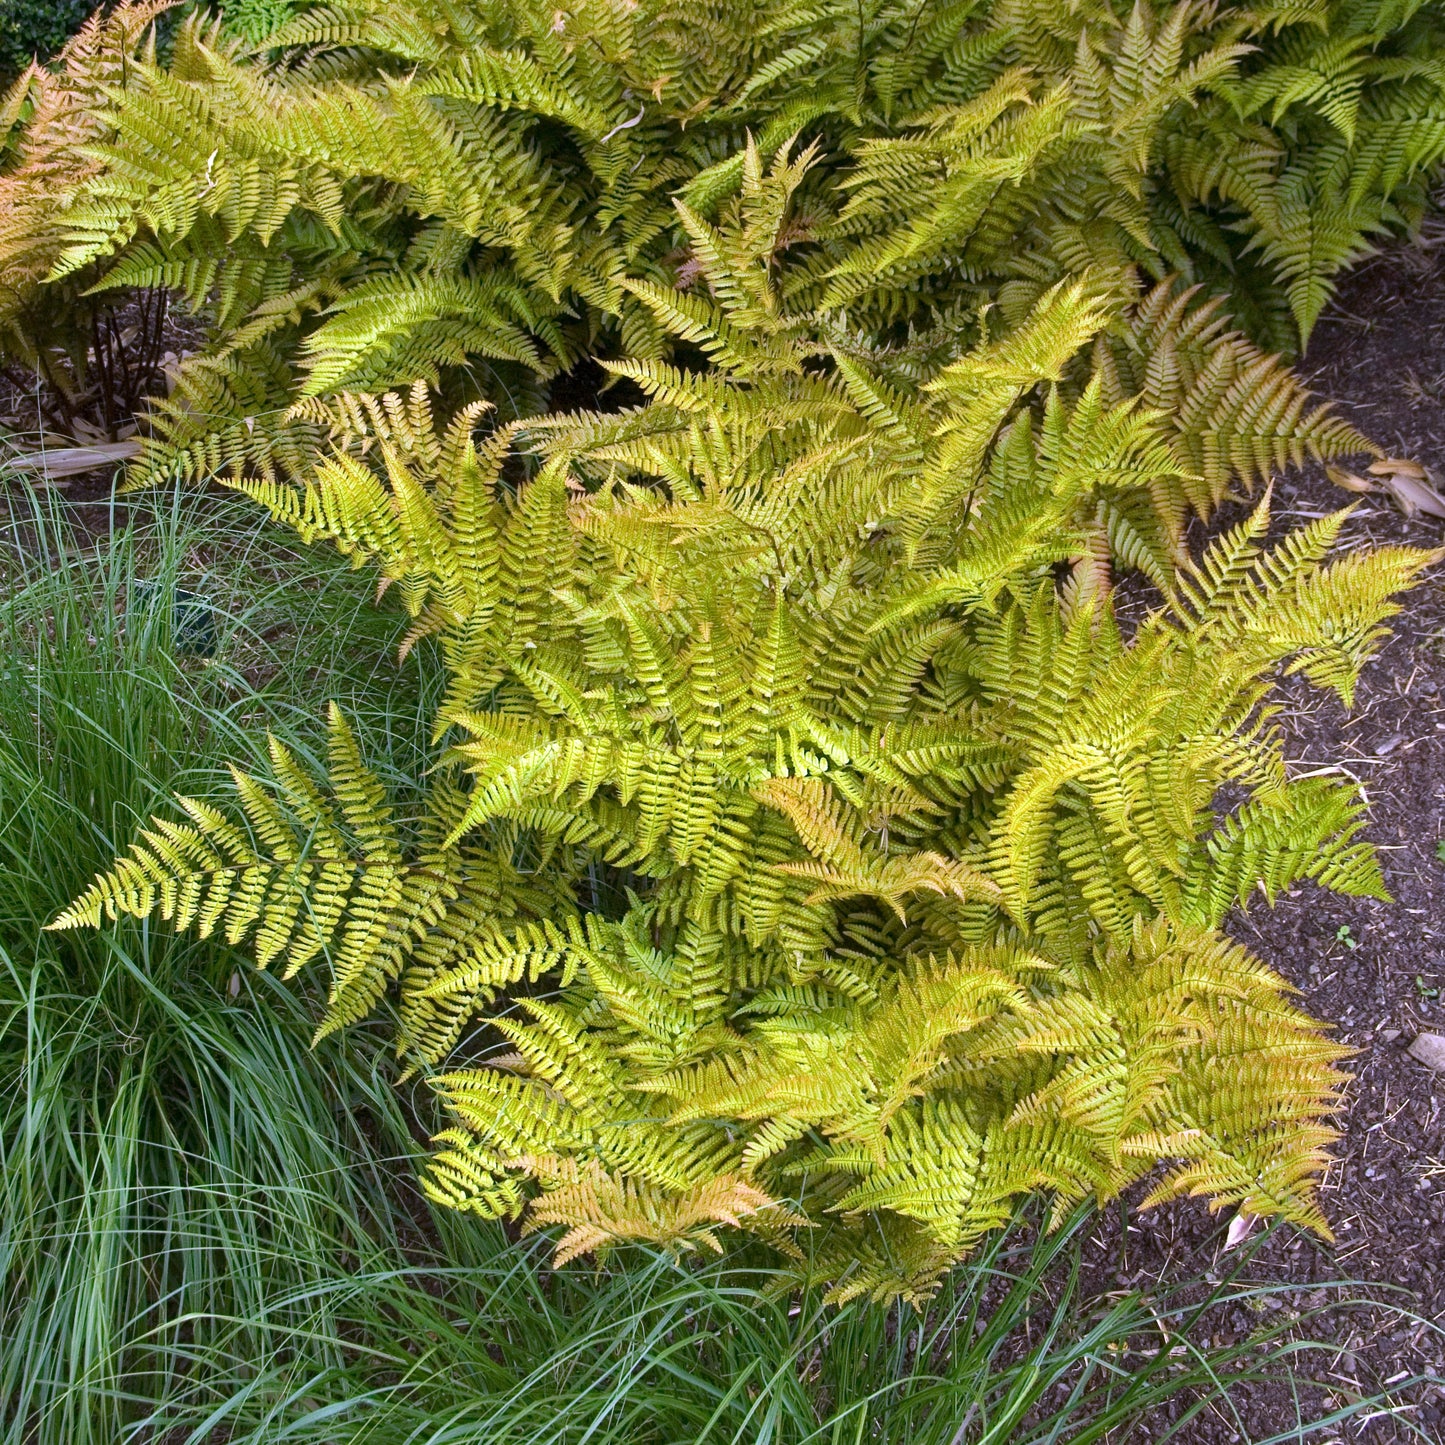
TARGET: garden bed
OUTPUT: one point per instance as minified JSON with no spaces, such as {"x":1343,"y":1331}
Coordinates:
{"x":1376,"y":970}
{"x":852,"y":643}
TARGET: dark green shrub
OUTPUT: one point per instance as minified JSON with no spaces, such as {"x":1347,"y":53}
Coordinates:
{"x":36,"y":28}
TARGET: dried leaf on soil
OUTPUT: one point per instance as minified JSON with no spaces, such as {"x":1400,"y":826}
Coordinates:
{"x":1429,"y":1049}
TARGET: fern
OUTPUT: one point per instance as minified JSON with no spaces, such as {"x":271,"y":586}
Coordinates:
{"x":869,"y":876}
{"x":48,"y":119}
{"x":302,"y":875}
{"x":482,"y":194}
{"x":256,"y":19}
{"x":876,"y":876}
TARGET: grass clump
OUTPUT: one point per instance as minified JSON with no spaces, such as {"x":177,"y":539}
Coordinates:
{"x":171,"y":1155}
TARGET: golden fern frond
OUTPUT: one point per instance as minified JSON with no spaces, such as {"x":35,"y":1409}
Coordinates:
{"x":1237,"y":414}
{"x":322,"y":878}
{"x":601,"y":1210}
{"x":842,"y":868}
{"x":804,"y":818}
{"x":302,"y":874}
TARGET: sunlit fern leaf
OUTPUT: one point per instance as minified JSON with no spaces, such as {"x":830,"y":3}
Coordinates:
{"x":305,"y":873}
{"x":808,"y":848}
{"x":1238,"y":414}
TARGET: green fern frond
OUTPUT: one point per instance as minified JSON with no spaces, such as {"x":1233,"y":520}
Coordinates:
{"x":831,"y":860}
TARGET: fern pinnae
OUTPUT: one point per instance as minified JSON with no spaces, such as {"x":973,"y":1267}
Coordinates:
{"x":865,"y":863}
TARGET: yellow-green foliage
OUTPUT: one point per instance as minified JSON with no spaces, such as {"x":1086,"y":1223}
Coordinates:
{"x":393,"y":189}
{"x":843,"y":867}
